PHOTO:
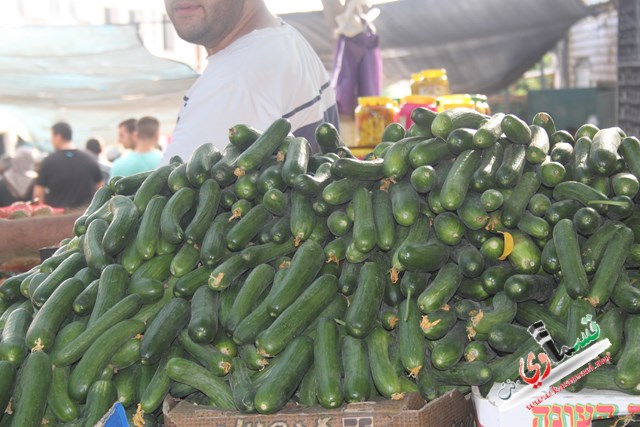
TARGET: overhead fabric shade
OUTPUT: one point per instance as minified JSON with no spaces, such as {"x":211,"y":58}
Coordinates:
{"x":484,"y":44}
{"x":93,"y":77}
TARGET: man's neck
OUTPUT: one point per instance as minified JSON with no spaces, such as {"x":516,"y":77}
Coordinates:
{"x":257,"y":17}
{"x":145,"y":145}
{"x":66,"y":146}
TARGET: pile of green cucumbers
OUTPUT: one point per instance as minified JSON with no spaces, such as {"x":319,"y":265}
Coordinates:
{"x":264,"y":274}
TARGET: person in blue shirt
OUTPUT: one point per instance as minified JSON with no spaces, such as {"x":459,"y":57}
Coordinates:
{"x":145,"y":155}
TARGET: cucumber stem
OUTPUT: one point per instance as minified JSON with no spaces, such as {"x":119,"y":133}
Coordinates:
{"x":609,"y":202}
{"x":406,"y":312}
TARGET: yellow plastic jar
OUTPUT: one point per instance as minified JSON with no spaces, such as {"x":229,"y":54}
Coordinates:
{"x":447,"y":102}
{"x":481,"y":103}
{"x":372,"y":115}
{"x":432,"y":82}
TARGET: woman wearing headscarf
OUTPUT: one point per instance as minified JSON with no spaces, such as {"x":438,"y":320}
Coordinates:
{"x":16,"y":183}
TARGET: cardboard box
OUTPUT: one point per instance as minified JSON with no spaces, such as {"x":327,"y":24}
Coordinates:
{"x":563,"y":409}
{"x":452,"y":409}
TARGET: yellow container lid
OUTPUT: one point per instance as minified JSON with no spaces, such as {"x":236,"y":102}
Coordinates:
{"x":434,"y":73}
{"x":418,"y":99}
{"x":375,"y":100}
{"x":361,"y":152}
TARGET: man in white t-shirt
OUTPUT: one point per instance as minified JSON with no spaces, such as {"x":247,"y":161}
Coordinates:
{"x":259,"y":69}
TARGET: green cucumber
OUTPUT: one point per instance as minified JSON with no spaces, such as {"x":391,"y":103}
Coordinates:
{"x":538,"y":147}
{"x":242,"y":388}
{"x":203,"y":324}
{"x":529,"y":312}
{"x":460,"y":140}
{"x":174,"y":211}
{"x":464,"y":373}
{"x":256,"y":283}
{"x":627,"y":375}
{"x":488,"y":134}
{"x":411,"y":343}
{"x":274,"y":392}
{"x":456,"y":185}
{"x":97,"y":258}
{"x":396,"y":158}
{"x":512,"y":166}
{"x":97,"y":356}
{"x":200,"y":162}
{"x":213,"y":244}
{"x":112,"y":288}
{"x":146,"y":239}
{"x":386,"y":380}
{"x":13,"y":347}
{"x":625,"y":295}
{"x":30,"y":396}
{"x":358,"y":169}
{"x":523,"y":287}
{"x":128,"y":185}
{"x":429,"y":152}
{"x":583,"y":193}
{"x":366,"y":301}
{"x":154,"y":184}
{"x":516,"y":129}
{"x":163,"y":329}
{"x":264,"y":146}
{"x":483,"y":177}
{"x":208,"y":201}
{"x":604,"y":151}
{"x":207,"y":355}
{"x":448,"y":350}
{"x":357,"y":375}
{"x":102,"y":395}
{"x":178,"y":178}
{"x":326,"y":359}
{"x":515,"y":205}
{"x":526,"y":255}
{"x":437,"y":324}
{"x":190,"y":373}
{"x":364,"y":231}
{"x":297,"y":316}
{"x":77,"y":347}
{"x":562,"y":153}
{"x":545,"y":121}
{"x":305,"y":265}
{"x":227,"y":272}
{"x":507,"y":337}
{"x":47,"y":321}
{"x":67,"y":268}
{"x":503,"y":311}
{"x":455,"y":118}
{"x":565,"y":240}
{"x":630,"y":150}
{"x":125,"y":216}
{"x":243,"y":135}
{"x":312,"y":184}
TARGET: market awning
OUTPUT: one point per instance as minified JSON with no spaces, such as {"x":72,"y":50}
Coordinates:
{"x":91,"y":76}
{"x":484,"y":45}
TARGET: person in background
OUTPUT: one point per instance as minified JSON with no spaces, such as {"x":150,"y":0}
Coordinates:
{"x":145,"y":156}
{"x":259,"y":69}
{"x":16,"y":183}
{"x":127,"y":134}
{"x":94,"y":148}
{"x":68,"y":177}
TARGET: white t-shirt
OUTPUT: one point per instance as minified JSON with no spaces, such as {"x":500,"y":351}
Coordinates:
{"x":266,"y":74}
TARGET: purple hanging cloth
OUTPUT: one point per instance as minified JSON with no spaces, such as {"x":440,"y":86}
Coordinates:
{"x":357,"y":66}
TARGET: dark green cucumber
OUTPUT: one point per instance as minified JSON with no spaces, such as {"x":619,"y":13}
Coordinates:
{"x":565,"y":240}
{"x":611,"y":324}
{"x":396,"y":158}
{"x":512,"y":166}
{"x":429,"y":152}
{"x":366,"y":301}
{"x":213,"y":244}
{"x":207,"y":355}
{"x":357,"y":376}
{"x":75,"y":349}
{"x":456,"y":185}
{"x":383,"y":219}
{"x":47,"y":321}
{"x":153,"y":185}
{"x":97,"y":356}
{"x":437,"y":324}
{"x":538,"y":147}
{"x":484,"y":176}
{"x":530,"y":312}
{"x":611,"y":264}
{"x":503,"y":310}
{"x":276,"y":202}
{"x":249,"y":355}
{"x":326,"y":359}
{"x":515,"y":205}
{"x":241,"y":386}
{"x":149,"y":231}
{"x":125,"y":216}
{"x":163,"y":329}
{"x":405,"y":203}
{"x":579,"y":168}
{"x":258,"y":280}
{"x":460,"y":140}
{"x":545,"y":121}
{"x":128,"y":185}
{"x":312,"y":184}
{"x":464,"y":373}
{"x":208,"y":202}
{"x":507,"y":337}
{"x":30,"y":396}
{"x":297,"y":316}
{"x":200,"y":163}
{"x":112,"y":288}
{"x":448,"y":350}
{"x":68,"y":268}
{"x":488,"y":134}
{"x":13,"y":348}
{"x":384,"y":376}
{"x":583,"y":193}
{"x":296,"y":159}
{"x":625,"y":295}
{"x":245,"y":230}
{"x":423,"y":178}
{"x":523,"y":287}
{"x":630,"y":150}
{"x":178,"y":178}
{"x":102,"y":395}
{"x":274,"y":392}
{"x":604,"y":151}
{"x":364,"y":228}
{"x":59,"y":402}
{"x":441,"y":289}
{"x":265,"y":145}
{"x":243,"y":135}
{"x":526,"y":255}
{"x":97,"y":258}
{"x":516,"y":129}
{"x":305,"y":265}
{"x":328,"y":138}
{"x":203,"y":324}
{"x":448,"y":120}
{"x":176,"y":208}
{"x":411,"y":343}
{"x":627,"y":375}
{"x":562,"y":153}
{"x":194,"y":375}
{"x":302,"y":217}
